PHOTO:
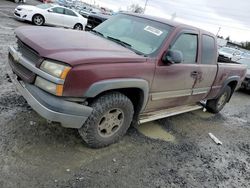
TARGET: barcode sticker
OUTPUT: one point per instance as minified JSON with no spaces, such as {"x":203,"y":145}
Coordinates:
{"x":153,"y":30}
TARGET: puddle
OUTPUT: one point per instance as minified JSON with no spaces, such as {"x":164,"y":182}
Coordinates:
{"x":155,"y":131}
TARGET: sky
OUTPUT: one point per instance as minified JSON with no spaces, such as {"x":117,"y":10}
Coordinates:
{"x":232,"y":16}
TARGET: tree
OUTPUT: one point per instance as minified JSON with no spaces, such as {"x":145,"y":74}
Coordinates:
{"x":136,"y":8}
{"x":247,"y":45}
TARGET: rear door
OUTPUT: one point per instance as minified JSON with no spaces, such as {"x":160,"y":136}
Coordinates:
{"x":173,"y":83}
{"x":70,"y":18}
{"x":207,"y":70}
{"x":55,"y":17}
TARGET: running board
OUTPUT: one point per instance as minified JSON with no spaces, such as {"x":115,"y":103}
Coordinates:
{"x":151,"y":116}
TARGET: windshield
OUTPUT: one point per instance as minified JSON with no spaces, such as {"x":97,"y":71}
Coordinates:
{"x":44,"y":6}
{"x":245,"y":62}
{"x":246,"y":55}
{"x":139,"y":34}
{"x":227,"y":50}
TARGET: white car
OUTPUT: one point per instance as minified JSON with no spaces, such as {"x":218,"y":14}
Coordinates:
{"x":230,"y":53}
{"x":50,"y":14}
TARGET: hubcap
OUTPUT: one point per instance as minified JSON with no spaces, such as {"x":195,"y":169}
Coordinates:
{"x":38,"y":20}
{"x":110,"y":122}
{"x":78,"y":27}
{"x":222,"y":100}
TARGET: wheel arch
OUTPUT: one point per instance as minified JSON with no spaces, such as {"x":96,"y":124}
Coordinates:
{"x":137,"y":90}
{"x":232,"y":82}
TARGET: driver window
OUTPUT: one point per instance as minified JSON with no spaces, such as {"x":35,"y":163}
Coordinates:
{"x":188,"y":45}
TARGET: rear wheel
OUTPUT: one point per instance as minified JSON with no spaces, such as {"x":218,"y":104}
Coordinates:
{"x":216,"y":105}
{"x":78,"y":27}
{"x":38,"y":19}
{"x":111,"y":117}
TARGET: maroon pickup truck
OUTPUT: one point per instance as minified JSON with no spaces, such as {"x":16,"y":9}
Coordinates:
{"x":131,"y":68}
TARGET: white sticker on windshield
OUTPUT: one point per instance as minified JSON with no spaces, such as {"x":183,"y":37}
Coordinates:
{"x":153,"y":30}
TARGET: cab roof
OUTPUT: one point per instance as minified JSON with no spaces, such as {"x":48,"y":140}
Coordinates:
{"x":169,"y":22}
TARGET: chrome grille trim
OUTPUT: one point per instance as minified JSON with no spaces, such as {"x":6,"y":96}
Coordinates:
{"x":18,"y":57}
{"x":27,"y":52}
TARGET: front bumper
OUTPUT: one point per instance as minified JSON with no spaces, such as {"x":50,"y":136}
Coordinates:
{"x":56,"y":109}
{"x":23,"y":16}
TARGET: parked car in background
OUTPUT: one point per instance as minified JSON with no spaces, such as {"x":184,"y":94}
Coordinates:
{"x":94,"y":20}
{"x":230,"y":53}
{"x":61,"y":2}
{"x":245,"y":55}
{"x":131,"y":68}
{"x":50,"y":14}
{"x":85,"y":13}
{"x":246,"y":83}
{"x":18,"y":1}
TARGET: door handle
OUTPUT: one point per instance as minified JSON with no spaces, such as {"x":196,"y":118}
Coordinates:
{"x":194,"y":73}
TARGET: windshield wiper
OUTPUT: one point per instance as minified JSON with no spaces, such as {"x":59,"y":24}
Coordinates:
{"x":127,"y":45}
{"x":96,"y":32}
{"x":119,"y":42}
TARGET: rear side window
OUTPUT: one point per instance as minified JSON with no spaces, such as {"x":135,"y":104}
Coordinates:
{"x":208,"y":50}
{"x":69,"y":12}
{"x":58,"y":10}
{"x":188,"y":45}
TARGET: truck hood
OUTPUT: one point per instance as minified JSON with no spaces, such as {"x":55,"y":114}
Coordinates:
{"x":74,"y":47}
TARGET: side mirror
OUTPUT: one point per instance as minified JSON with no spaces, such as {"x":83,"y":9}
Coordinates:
{"x":172,"y":56}
{"x":50,"y":10}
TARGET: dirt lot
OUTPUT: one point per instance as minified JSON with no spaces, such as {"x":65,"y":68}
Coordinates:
{"x":34,"y":153}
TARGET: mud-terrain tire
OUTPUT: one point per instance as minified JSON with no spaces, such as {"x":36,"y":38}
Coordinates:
{"x":216,"y":105}
{"x":38,"y":20}
{"x":78,"y":26}
{"x":110,"y":119}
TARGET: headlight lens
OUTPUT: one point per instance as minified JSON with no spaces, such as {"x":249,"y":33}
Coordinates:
{"x":55,"y":69}
{"x":49,"y":86}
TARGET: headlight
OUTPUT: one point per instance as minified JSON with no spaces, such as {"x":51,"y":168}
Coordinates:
{"x":55,"y":69}
{"x":49,"y":86}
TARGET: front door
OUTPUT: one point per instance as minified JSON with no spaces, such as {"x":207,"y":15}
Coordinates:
{"x":173,"y":83}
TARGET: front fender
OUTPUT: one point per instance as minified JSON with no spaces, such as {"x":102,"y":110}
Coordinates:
{"x":112,"y":84}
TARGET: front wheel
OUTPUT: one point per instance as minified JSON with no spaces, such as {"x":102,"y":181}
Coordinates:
{"x":110,"y":119}
{"x":216,"y":105}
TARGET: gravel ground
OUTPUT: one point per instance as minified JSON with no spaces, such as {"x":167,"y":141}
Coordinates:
{"x":34,"y":153}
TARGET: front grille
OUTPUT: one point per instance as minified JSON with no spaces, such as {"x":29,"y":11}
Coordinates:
{"x":17,"y":14}
{"x":28,"y":53}
{"x":25,"y":74}
{"x":32,"y":56}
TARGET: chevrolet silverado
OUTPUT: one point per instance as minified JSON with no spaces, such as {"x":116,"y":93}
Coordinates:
{"x":131,"y":68}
